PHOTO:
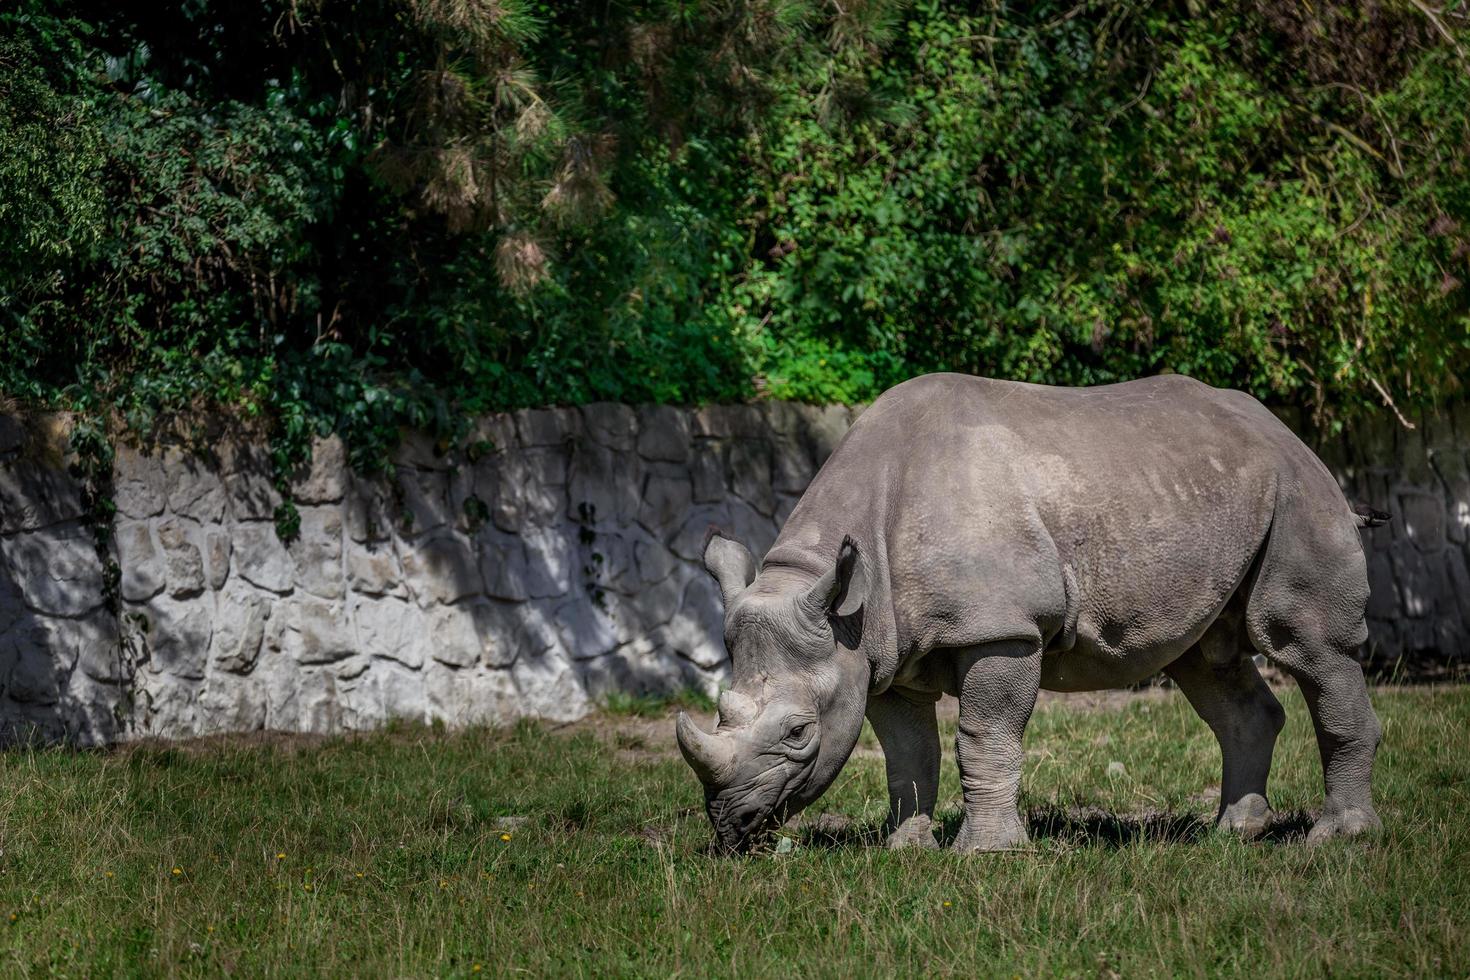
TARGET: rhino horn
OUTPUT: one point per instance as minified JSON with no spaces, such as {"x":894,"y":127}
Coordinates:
{"x":737,"y":710}
{"x":708,"y":755}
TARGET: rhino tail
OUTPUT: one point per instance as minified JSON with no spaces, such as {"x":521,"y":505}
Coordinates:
{"x":1370,"y":516}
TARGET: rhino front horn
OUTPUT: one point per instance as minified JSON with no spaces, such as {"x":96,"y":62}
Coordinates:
{"x":708,"y":755}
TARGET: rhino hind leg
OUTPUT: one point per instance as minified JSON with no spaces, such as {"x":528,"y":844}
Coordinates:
{"x":1225,"y":689}
{"x":997,"y":683}
{"x":908,"y":731}
{"x":1306,"y":613}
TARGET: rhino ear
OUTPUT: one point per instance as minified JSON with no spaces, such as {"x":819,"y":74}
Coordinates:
{"x":730,"y":562}
{"x":842,"y":591}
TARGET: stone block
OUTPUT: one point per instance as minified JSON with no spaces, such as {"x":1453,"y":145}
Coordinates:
{"x":57,"y":569}
{"x":490,"y":434}
{"x":314,"y":632}
{"x":655,"y":561}
{"x":1411,"y":572}
{"x":791,"y":467}
{"x":549,"y":688}
{"x":373,"y":569}
{"x":827,"y":430}
{"x":727,"y":422}
{"x":33,"y":495}
{"x":138,"y":486}
{"x":604,"y":486}
{"x":1423,"y":516}
{"x":663,"y":433}
{"x":707,"y":472}
{"x":420,"y":450}
{"x":611,"y":425}
{"x":391,"y":629}
{"x":696,"y":631}
{"x":460,"y":635}
{"x":249,"y":482}
{"x":239,"y":631}
{"x":666,"y":499}
{"x":323,"y":478}
{"x":40,"y":659}
{"x":515,"y":630}
{"x":317,"y":552}
{"x":178,"y":636}
{"x":443,"y":567}
{"x":547,"y":426}
{"x":262,"y":560}
{"x":530,"y":489}
{"x":688,"y":541}
{"x":143,"y":573}
{"x":372,"y":513}
{"x":193,"y":487}
{"x":185,"y":563}
{"x":476,"y":697}
{"x":1383,"y":597}
{"x":217,"y":549}
{"x":425,"y":499}
{"x":750,"y":475}
{"x":12,"y":435}
{"x":229,"y":703}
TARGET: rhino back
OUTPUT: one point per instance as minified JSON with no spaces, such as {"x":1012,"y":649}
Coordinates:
{"x":1121,"y":517}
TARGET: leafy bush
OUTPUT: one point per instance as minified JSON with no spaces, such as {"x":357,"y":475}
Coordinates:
{"x":356,"y":214}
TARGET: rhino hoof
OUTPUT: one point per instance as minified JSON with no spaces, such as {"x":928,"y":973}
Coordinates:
{"x":914,"y":832}
{"x":1248,"y":817}
{"x":1349,"y":822}
{"x":976,"y":836}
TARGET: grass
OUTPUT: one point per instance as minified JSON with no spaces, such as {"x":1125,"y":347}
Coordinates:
{"x":581,"y":852}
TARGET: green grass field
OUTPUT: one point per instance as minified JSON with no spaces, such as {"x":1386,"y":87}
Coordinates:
{"x":581,"y":852}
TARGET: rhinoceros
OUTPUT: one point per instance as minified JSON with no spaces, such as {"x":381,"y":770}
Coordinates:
{"x":985,"y":539}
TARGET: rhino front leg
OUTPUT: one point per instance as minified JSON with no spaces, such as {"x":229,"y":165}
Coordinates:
{"x":997,"y":684}
{"x":909,"y":733}
{"x":1245,"y":716}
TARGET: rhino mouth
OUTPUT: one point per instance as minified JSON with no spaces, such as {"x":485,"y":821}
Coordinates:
{"x":745,"y":819}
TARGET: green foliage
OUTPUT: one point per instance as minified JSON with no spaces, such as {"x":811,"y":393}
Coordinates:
{"x":353,"y":215}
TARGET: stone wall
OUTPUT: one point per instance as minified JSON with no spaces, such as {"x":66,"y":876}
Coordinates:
{"x":549,"y":559}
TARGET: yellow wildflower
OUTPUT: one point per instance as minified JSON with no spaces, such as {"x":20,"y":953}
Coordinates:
{"x":505,"y":837}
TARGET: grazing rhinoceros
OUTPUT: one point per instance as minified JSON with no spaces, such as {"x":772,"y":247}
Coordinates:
{"x":985,"y":539}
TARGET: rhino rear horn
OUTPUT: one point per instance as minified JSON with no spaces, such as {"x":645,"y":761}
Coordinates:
{"x":737,"y":710}
{"x":730,"y":562}
{"x":708,"y":755}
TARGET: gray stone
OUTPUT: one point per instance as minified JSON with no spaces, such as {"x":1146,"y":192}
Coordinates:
{"x":249,"y":482}
{"x":373,"y":570}
{"x":547,"y":426}
{"x":688,"y":541}
{"x":750,"y":475}
{"x":530,"y":489}
{"x":193,"y":487}
{"x":391,"y":629}
{"x":239,"y":630}
{"x":515,"y":630}
{"x":443,"y":567}
{"x":460,"y":635}
{"x":549,"y":688}
{"x":1383,"y":598}
{"x":728,"y":421}
{"x":229,"y":703}
{"x":791,"y":467}
{"x":655,"y":560}
{"x":666,"y":499}
{"x":478,"y":697}
{"x":1423,"y":517}
{"x":143,"y":575}
{"x":323,"y":479}
{"x":604,"y":486}
{"x":611,"y":425}
{"x":185,"y":563}
{"x":419,"y":450}
{"x":138,"y":486}
{"x":490,"y":434}
{"x":707,"y":471}
{"x":541,"y":563}
{"x":316,"y":632}
{"x":696,"y":631}
{"x":99,"y":653}
{"x":57,"y":569}
{"x":371,"y":513}
{"x":12,"y":434}
{"x":317,"y":552}
{"x":217,"y":549}
{"x":663,"y":433}
{"x":33,"y":495}
{"x":261,"y":559}
{"x":425,"y":495}
{"x":41,"y":662}
{"x":588,"y":631}
{"x":827,"y":430}
{"x":178,"y":637}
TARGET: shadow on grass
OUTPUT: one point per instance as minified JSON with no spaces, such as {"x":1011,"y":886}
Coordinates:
{"x":1074,"y":826}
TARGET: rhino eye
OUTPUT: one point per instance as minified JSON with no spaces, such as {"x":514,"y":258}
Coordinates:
{"x":796,"y":734}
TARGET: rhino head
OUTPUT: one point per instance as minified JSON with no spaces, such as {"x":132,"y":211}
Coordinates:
{"x":793,"y":714}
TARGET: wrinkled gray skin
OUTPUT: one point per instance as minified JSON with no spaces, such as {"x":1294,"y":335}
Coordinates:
{"x":985,"y":539}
